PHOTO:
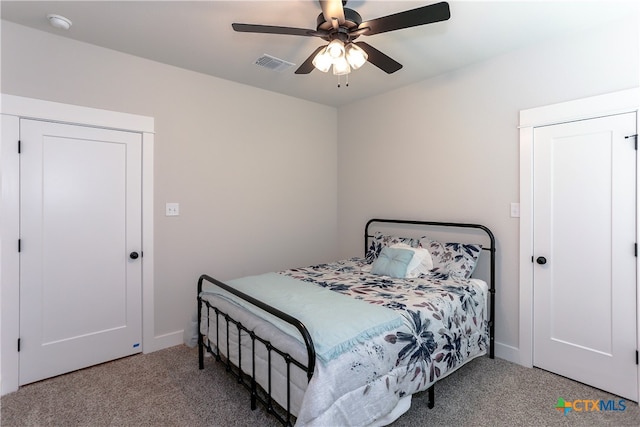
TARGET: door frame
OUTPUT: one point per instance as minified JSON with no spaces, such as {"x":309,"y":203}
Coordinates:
{"x":13,"y":109}
{"x":625,"y":101}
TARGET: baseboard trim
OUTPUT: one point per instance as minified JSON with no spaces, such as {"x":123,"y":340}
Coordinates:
{"x":507,"y":352}
{"x":171,"y":339}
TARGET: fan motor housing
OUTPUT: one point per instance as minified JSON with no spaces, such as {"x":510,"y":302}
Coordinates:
{"x":352,"y":20}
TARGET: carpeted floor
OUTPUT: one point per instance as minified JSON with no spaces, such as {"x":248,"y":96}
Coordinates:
{"x":166,"y":388}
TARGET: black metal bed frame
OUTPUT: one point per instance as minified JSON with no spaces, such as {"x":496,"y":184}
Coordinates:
{"x":264,"y":398}
{"x":248,"y":379}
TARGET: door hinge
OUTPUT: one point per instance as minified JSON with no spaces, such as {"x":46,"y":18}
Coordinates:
{"x":18,"y":344}
{"x":19,"y":146}
{"x":636,"y":357}
{"x":635,"y":142}
{"x":19,"y":245}
{"x":635,"y":250}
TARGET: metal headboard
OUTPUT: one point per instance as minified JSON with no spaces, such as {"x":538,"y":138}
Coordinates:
{"x":492,"y":262}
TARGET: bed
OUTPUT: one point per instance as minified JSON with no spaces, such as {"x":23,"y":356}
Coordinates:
{"x":349,"y":342}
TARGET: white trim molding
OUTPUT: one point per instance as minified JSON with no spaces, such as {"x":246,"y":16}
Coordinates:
{"x":13,"y":109}
{"x":171,"y":339}
{"x":507,"y":352}
{"x":582,"y":109}
{"x":597,"y":106}
{"x":29,"y":108}
{"x":9,"y":258}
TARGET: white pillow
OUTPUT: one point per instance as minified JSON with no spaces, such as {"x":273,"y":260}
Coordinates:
{"x":421,"y":262}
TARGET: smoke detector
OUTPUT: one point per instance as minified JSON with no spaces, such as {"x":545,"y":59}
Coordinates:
{"x":59,"y":22}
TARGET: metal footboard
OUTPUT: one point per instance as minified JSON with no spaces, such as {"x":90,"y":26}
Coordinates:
{"x":248,"y":379}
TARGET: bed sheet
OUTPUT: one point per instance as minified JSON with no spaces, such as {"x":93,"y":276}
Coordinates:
{"x":445,"y":326}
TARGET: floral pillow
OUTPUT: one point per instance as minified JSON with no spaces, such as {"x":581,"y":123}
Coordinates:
{"x":380,"y":240}
{"x":453,"y":259}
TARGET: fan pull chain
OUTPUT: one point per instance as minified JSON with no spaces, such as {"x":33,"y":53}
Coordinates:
{"x":346,"y":78}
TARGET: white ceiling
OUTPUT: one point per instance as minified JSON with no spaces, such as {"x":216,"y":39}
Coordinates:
{"x":197,"y":35}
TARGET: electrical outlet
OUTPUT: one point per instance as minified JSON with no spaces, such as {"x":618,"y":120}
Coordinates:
{"x":172,"y":209}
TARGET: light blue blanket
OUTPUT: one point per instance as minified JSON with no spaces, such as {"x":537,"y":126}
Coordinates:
{"x":335,"y":322}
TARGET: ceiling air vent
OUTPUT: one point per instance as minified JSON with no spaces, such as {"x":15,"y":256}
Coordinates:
{"x":273,"y":63}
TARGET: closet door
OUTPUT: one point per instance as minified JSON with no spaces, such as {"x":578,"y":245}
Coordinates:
{"x":80,"y":260}
{"x":584,"y":232}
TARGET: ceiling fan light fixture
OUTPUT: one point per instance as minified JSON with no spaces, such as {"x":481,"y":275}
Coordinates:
{"x":341,"y":67}
{"x":355,"y":56}
{"x":323,"y":61}
{"x":339,"y":25}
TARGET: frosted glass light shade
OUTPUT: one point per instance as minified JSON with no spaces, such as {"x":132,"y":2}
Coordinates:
{"x":341,"y":67}
{"x":335,"y":49}
{"x":356,"y":56}
{"x":322,"y":61}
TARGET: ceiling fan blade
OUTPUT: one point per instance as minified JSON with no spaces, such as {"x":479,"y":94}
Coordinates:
{"x":410,"y":18}
{"x":332,"y":9}
{"x":379,"y":59}
{"x":307,"y":66}
{"x":271,"y":29}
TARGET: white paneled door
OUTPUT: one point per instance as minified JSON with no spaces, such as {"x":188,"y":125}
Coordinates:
{"x":80,"y":247}
{"x":584,"y":235}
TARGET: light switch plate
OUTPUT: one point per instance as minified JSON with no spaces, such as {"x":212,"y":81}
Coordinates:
{"x":515,"y":210}
{"x":172,"y":209}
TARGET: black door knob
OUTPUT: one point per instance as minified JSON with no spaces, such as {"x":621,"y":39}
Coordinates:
{"x":541,"y":260}
{"x":133,"y":255}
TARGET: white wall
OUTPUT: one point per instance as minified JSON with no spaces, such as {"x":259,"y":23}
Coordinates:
{"x":254,"y":180}
{"x":237,"y":158}
{"x":447,"y":148}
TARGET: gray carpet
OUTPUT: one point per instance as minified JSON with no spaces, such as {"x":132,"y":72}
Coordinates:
{"x":166,"y":388}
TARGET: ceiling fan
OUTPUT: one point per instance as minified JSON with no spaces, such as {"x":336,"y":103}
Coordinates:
{"x":340,"y":26}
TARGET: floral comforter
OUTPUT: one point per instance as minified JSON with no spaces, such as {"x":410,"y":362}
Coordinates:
{"x":445,"y":325}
